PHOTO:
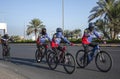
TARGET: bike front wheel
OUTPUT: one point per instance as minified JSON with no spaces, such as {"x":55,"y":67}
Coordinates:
{"x":69,"y":63}
{"x":103,"y":61}
{"x":38,"y":56}
{"x":52,"y":60}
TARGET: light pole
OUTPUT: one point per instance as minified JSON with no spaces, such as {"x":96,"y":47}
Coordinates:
{"x":63,"y":15}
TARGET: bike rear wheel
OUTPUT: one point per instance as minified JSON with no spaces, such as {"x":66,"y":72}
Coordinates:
{"x":69,"y":63}
{"x":103,"y":61}
{"x":81,"y":59}
{"x":52,"y":60}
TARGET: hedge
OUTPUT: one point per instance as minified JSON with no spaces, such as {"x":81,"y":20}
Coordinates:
{"x":71,"y":40}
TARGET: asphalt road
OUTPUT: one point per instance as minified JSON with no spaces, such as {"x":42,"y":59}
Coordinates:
{"x":23,"y":62}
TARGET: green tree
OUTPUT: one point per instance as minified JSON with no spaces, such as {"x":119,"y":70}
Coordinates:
{"x":109,"y":12}
{"x":74,"y":33}
{"x":102,"y":28}
{"x":77,"y":33}
{"x":67,"y":33}
{"x":34,"y":27}
{"x":16,"y":38}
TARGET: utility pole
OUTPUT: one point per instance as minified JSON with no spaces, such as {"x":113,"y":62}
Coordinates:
{"x":63,"y":15}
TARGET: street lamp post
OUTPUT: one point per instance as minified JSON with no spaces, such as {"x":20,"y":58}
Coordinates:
{"x":63,"y":15}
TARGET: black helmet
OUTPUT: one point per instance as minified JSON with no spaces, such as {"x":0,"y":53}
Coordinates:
{"x":59,"y":30}
{"x":43,"y":31}
{"x":6,"y":36}
{"x":91,"y":26}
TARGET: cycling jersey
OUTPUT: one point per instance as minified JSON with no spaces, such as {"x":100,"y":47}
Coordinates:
{"x":88,"y":36}
{"x":59,"y":37}
{"x":4,"y":41}
{"x":43,"y":38}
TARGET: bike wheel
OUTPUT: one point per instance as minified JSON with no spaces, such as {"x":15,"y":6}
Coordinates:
{"x":52,"y":60}
{"x":47,"y":53}
{"x":103,"y":61}
{"x":69,"y":63}
{"x":81,"y":59}
{"x":38,"y":56}
{"x":6,"y":54}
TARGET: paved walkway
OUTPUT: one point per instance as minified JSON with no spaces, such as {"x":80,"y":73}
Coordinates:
{"x":6,"y":73}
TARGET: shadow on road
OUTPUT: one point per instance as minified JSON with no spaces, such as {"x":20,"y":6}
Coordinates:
{"x":90,"y":69}
{"x":31,"y":63}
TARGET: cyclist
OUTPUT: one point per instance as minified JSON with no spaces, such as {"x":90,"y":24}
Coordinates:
{"x":89,"y":34}
{"x":57,"y":38}
{"x":43,"y":37}
{"x":4,"y":42}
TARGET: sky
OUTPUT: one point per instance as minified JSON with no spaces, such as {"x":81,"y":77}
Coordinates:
{"x":18,"y":13}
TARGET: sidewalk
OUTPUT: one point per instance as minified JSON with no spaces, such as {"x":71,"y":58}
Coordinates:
{"x":6,"y":73}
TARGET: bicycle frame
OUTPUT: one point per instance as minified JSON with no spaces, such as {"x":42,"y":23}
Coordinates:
{"x":57,"y":52}
{"x":45,"y":46}
{"x":96,"y":49}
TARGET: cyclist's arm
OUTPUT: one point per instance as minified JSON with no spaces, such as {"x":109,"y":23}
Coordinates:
{"x":11,"y":40}
{"x":65,"y":39}
{"x":48,"y":38}
{"x":97,"y":35}
{"x":5,"y":40}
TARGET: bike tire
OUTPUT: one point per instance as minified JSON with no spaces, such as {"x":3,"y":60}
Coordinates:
{"x":6,"y":54}
{"x":38,"y":56}
{"x":103,"y":61}
{"x":80,"y":59}
{"x":69,"y":63}
{"x":47,"y":53}
{"x":52,"y":60}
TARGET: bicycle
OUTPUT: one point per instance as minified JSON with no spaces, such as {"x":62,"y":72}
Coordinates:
{"x":6,"y":50}
{"x":56,"y":57}
{"x":41,"y":52}
{"x":103,"y":59}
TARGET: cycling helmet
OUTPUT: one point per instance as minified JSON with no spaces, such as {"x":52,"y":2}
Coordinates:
{"x":59,"y":30}
{"x":91,"y":26}
{"x":43,"y":31}
{"x":6,"y":36}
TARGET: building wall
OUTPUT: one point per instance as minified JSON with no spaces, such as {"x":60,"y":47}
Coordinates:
{"x":3,"y":26}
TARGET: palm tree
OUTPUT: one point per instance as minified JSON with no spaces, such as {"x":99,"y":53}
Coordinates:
{"x":77,"y":33}
{"x":34,"y":27}
{"x":67,"y":33}
{"x":109,"y":12}
{"x":102,"y":28}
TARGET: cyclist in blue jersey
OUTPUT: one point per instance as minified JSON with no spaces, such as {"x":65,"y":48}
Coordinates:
{"x":43,"y":37}
{"x":58,"y":37}
{"x":89,"y":34}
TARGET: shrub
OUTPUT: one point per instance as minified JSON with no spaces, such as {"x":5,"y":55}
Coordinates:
{"x":75,"y":40}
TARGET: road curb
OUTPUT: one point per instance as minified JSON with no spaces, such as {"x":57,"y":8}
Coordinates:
{"x":102,"y":45}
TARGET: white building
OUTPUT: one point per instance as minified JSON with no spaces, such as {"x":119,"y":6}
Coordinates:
{"x":3,"y":26}
{"x":119,"y":36}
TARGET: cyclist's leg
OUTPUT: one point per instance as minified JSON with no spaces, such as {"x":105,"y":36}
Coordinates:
{"x":60,"y":49}
{"x":61,"y":54}
{"x":86,"y":50}
{"x":94,"y":45}
{"x":3,"y":50}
